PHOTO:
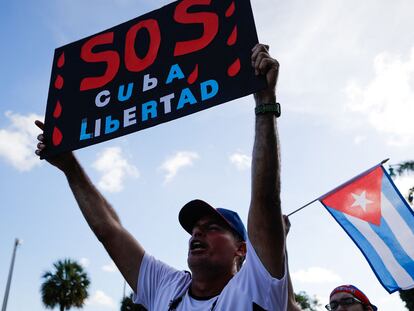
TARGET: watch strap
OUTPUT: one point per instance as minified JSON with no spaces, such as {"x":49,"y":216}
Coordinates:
{"x":273,"y":108}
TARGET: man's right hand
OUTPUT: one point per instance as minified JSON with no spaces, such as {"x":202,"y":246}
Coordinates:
{"x":61,"y":161}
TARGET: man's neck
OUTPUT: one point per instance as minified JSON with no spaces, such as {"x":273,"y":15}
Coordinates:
{"x":207,"y":285}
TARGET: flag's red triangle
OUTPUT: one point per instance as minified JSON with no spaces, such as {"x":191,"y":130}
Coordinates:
{"x":361,"y":198}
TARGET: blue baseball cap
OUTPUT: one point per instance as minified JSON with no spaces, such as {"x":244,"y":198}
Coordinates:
{"x":194,"y":210}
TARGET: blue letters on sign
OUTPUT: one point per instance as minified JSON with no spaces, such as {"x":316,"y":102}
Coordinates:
{"x":175,"y":73}
{"x":121,"y":92}
{"x":149,"y":108}
{"x":111,"y":125}
{"x":209,"y":89}
{"x":83,"y":134}
{"x":186,"y":97}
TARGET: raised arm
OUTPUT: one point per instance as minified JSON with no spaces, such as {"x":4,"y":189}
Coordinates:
{"x":124,"y":250}
{"x":265,"y":224}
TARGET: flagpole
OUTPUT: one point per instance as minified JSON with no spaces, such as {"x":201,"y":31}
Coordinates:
{"x":340,"y":186}
{"x":6,"y":294}
{"x":301,"y":208}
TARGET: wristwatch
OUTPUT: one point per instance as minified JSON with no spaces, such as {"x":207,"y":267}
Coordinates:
{"x":273,"y":108}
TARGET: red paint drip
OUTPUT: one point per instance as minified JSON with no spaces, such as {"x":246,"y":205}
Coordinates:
{"x":57,"y":136}
{"x":233,"y":37}
{"x":234,"y":68}
{"x":61,"y":60}
{"x":58,"y":110}
{"x":193,"y":76}
{"x":230,"y":10}
{"x":59,"y":82}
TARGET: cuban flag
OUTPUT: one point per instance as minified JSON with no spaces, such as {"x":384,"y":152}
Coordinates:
{"x":381,"y":223}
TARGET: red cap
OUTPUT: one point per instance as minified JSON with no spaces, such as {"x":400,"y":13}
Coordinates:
{"x":354,"y":291}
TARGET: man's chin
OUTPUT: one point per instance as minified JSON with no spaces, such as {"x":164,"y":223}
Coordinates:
{"x":196,"y":261}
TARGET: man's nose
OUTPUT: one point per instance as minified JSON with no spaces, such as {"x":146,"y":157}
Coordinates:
{"x":197,"y":231}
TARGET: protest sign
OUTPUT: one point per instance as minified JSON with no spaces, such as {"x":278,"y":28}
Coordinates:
{"x":185,"y":57}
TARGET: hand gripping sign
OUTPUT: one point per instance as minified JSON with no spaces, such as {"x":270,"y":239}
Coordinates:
{"x":187,"y":56}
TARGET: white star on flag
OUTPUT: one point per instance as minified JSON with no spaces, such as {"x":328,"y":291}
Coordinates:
{"x":361,"y":200}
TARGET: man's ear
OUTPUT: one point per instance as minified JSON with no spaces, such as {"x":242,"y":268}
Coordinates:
{"x":241,"y":249}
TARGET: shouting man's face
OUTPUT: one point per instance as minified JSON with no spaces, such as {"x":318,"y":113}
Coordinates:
{"x":214,"y":245}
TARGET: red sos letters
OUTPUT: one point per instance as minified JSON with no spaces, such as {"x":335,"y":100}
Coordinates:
{"x":183,"y":58}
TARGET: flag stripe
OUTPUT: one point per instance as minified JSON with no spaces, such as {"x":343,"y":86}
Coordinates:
{"x":400,"y":275}
{"x":374,"y":260}
{"x":396,"y":223}
{"x":398,"y":202}
{"x":388,"y":237}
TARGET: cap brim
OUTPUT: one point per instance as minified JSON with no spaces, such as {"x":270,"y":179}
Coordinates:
{"x":193,"y":211}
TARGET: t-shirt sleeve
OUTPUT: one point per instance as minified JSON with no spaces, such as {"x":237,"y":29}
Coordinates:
{"x":154,"y":275}
{"x":268,"y":292}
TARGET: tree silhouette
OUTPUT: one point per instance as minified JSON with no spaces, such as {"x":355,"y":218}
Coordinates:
{"x":401,"y":169}
{"x":128,"y":305}
{"x":306,"y":302}
{"x":66,"y":286}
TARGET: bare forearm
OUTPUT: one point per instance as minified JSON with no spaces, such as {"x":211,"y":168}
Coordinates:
{"x":97,"y":211}
{"x":124,"y":250}
{"x":266,"y":162}
{"x":265,"y":218}
{"x":266,"y":172}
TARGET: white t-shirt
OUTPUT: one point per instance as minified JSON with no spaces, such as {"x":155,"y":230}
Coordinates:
{"x":252,"y":288}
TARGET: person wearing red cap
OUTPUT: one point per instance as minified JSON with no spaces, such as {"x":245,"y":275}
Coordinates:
{"x":219,"y":242}
{"x":349,"y":298}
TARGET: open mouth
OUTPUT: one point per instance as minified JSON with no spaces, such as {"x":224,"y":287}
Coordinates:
{"x":197,"y":245}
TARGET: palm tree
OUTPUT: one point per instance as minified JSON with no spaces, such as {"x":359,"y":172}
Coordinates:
{"x":66,"y":286}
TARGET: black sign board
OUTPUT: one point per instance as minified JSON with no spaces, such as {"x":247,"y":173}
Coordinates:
{"x":187,"y":56}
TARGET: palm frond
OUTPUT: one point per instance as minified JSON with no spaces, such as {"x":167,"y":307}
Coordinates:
{"x":65,"y":286}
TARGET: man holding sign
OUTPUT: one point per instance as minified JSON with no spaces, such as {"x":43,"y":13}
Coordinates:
{"x":219,"y":242}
